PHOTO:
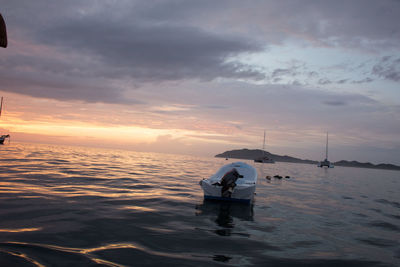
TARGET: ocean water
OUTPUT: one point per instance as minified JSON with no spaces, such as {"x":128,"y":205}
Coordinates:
{"x":70,"y":206}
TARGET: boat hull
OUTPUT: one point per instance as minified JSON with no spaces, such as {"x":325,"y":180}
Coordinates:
{"x":228,"y":199}
{"x":264,"y":160}
{"x":325,"y":163}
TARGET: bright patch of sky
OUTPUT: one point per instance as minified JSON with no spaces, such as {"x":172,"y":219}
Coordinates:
{"x":325,"y":68}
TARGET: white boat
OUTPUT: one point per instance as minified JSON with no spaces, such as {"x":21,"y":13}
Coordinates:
{"x":264,"y":158}
{"x":232,"y":182}
{"x":326,"y":162}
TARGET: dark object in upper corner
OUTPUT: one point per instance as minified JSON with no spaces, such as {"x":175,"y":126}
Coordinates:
{"x":3,"y":32}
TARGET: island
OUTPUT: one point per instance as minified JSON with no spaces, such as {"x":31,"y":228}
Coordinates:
{"x":251,"y":154}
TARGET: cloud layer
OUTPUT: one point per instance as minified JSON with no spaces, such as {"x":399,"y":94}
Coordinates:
{"x":213,"y":68}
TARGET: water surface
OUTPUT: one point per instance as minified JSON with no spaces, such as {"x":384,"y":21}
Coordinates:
{"x":64,"y":206}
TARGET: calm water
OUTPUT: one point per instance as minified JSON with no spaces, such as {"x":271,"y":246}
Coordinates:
{"x":66,"y":206}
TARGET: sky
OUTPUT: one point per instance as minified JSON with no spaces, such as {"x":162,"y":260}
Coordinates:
{"x":202,"y":77}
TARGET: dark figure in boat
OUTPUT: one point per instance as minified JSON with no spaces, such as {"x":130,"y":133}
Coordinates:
{"x":228,"y":182}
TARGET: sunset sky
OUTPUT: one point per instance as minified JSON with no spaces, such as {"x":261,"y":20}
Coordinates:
{"x":202,"y":77}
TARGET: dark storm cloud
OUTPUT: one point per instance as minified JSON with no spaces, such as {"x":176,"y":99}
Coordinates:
{"x":60,"y":87}
{"x":133,"y":42}
{"x":293,"y":69}
{"x":283,"y":72}
{"x":154,"y":52}
{"x":100,"y":46}
{"x":388,"y":68}
{"x":357,"y":23}
{"x":366,"y":24}
{"x":324,"y":81}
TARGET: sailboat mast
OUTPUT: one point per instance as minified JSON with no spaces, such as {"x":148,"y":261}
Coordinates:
{"x":264,"y":141}
{"x":1,"y":105}
{"x":326,"y":156}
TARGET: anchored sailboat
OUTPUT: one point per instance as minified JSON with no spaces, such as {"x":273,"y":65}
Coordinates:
{"x":264,"y":158}
{"x":4,"y":136}
{"x":326,"y":162}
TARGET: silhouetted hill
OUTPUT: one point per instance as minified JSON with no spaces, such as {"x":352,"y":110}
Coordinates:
{"x":256,"y":153}
{"x":353,"y":163}
{"x":252,"y":154}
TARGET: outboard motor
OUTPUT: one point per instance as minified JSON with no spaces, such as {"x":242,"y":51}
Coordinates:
{"x":228,"y":182}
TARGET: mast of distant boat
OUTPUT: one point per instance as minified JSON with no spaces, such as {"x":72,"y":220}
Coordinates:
{"x":1,"y":105}
{"x":264,"y":145}
{"x":326,"y":154}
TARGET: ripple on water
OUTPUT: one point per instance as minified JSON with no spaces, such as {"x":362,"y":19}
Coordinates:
{"x":387,"y":202}
{"x":385,"y":226}
{"x":378,"y":242}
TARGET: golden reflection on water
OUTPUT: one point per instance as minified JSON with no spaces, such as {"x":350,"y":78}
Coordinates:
{"x":24,"y":256}
{"x":76,"y":190}
{"x":137,"y":208}
{"x":105,"y":262}
{"x":20,"y":230}
{"x":87,"y":252}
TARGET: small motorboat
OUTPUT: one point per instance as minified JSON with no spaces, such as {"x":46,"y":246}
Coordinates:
{"x":233,"y":182}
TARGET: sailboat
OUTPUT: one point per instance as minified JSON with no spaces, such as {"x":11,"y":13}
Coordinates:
{"x":326,"y":162}
{"x":4,"y":136}
{"x":264,"y":158}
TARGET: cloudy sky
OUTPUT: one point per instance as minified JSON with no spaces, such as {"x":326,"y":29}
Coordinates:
{"x":202,"y":77}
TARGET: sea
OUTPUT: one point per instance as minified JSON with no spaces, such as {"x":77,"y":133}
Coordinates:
{"x":76,"y":206}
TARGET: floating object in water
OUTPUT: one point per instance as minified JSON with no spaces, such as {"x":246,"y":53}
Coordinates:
{"x":287,"y":176}
{"x":232,"y":182}
{"x":268,"y":177}
{"x":278,"y":176}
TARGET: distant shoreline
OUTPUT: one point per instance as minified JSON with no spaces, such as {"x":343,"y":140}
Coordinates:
{"x":251,"y":154}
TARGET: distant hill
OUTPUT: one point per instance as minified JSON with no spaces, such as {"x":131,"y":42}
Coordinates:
{"x":353,"y":163}
{"x":256,"y":153}
{"x":252,"y":154}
